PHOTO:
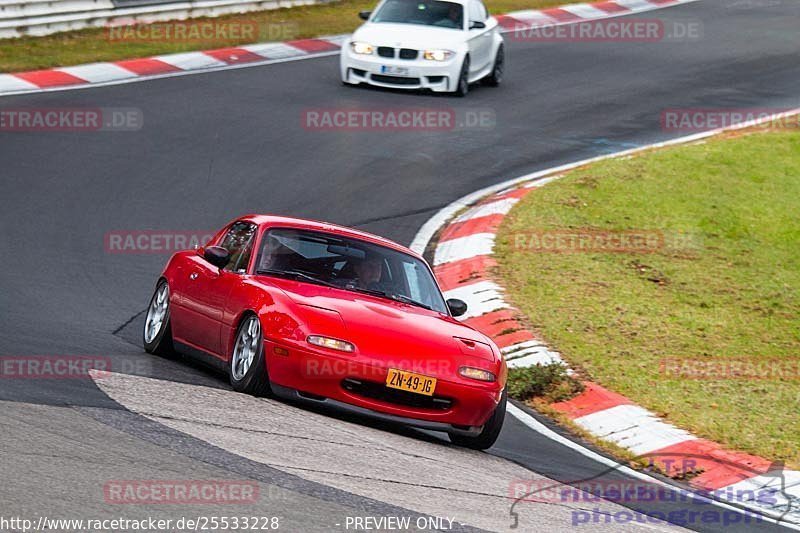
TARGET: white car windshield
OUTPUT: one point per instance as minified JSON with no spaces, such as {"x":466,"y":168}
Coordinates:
{"x":348,"y":264}
{"x":426,"y":13}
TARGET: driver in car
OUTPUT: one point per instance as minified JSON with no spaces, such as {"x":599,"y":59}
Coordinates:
{"x":453,"y":18}
{"x":369,"y":272}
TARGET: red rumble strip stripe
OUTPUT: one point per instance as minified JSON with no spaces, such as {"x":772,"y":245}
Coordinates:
{"x":50,"y":78}
{"x":452,"y":275}
{"x":504,"y":341}
{"x":233,"y":56}
{"x":487,"y":224}
{"x":610,"y":7}
{"x":509,"y":23}
{"x":516,"y":193}
{"x":719,"y":467}
{"x":594,"y":399}
{"x":561,"y":15}
{"x":313,"y":45}
{"x":662,"y":2}
{"x":146,"y":67}
{"x":494,"y":324}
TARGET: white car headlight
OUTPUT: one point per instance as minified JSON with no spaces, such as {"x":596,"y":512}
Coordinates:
{"x":438,"y":55}
{"x":333,"y":344}
{"x":362,"y":48}
{"x":476,"y":373}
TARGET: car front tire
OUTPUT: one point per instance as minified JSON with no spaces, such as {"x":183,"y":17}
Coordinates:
{"x":157,"y":333}
{"x":248,"y":369}
{"x":491,"y":429}
{"x":495,"y":77}
{"x":462,"y":88}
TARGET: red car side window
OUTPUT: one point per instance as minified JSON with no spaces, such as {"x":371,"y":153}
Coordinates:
{"x":239,"y":242}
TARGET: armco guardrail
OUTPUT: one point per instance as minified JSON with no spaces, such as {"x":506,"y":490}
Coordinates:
{"x":43,"y":17}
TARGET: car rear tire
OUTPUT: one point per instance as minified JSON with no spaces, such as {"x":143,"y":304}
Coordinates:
{"x":157,"y":333}
{"x":496,"y":76}
{"x":248,"y":368}
{"x":491,"y":429}
{"x":462,"y":89}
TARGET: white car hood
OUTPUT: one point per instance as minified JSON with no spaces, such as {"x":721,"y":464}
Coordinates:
{"x":414,"y":36}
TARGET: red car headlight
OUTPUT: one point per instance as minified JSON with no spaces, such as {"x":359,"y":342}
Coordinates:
{"x":333,"y":344}
{"x":476,"y":373}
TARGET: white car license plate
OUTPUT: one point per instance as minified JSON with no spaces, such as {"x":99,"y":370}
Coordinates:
{"x":397,"y":71}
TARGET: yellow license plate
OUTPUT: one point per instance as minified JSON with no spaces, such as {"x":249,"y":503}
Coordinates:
{"x":408,"y":381}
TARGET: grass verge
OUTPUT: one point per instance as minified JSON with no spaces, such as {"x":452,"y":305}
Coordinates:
{"x":549,"y":383}
{"x":722,"y":286}
{"x":91,"y":45}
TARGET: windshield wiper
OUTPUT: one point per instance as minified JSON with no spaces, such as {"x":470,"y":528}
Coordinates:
{"x":373,"y":292}
{"x":396,"y":297}
{"x":405,"y":299}
{"x":296,"y":274}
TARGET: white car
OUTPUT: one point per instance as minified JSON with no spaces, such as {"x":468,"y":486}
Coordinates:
{"x":441,"y":45}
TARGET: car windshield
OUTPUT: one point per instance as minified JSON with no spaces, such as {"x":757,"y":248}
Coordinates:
{"x":348,"y":264}
{"x":426,"y":13}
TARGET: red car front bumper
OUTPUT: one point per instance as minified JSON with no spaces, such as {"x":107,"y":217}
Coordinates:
{"x":344,"y":381}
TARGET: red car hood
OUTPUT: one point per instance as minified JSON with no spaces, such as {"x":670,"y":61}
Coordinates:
{"x":386,"y":329}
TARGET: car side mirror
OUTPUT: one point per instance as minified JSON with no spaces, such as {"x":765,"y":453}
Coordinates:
{"x":364,"y":15}
{"x":457,"y":307}
{"x":477,"y":25}
{"x":217,"y":256}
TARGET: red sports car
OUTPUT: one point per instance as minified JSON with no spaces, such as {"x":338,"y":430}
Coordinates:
{"x":317,"y":312}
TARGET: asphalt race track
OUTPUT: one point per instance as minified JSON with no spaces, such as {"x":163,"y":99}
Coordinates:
{"x":218,"y":145}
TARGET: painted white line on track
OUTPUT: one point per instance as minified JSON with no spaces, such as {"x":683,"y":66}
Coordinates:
{"x":514,"y":349}
{"x":585,"y":11}
{"x":540,"y":356}
{"x":481,"y":298}
{"x":13,"y":83}
{"x":98,"y":72}
{"x":534,"y":17}
{"x":633,"y":428}
{"x":499,"y":207}
{"x":464,"y":248}
{"x":273,"y":50}
{"x":634,"y":5}
{"x":191,"y":61}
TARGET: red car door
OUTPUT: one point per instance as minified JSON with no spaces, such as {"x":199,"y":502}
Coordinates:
{"x":207,"y":288}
